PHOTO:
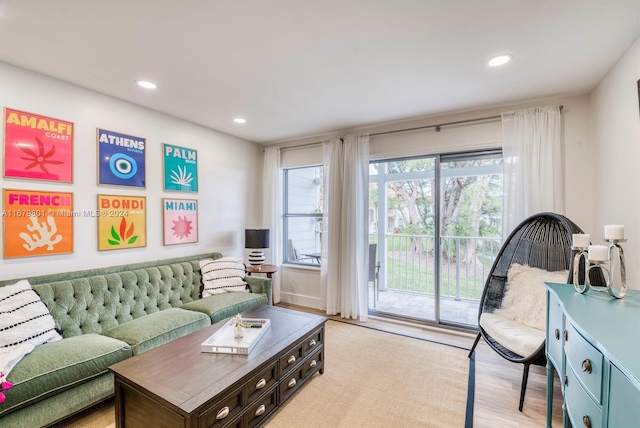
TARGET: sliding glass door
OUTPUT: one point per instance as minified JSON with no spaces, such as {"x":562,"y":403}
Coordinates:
{"x":435,"y":222}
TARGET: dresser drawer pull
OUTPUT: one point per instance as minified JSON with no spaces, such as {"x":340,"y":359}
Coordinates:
{"x":313,"y":363}
{"x":566,"y":380}
{"x":261,"y":384}
{"x":557,"y":332}
{"x":566,"y":336}
{"x":586,"y":366}
{"x":223,"y":413}
{"x":312,"y":343}
{"x":292,"y":383}
{"x":586,"y":421}
{"x":260,"y":410}
{"x":292,"y":359}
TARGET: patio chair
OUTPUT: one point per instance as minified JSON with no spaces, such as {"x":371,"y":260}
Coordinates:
{"x":293,"y":255}
{"x":541,"y":241}
{"x":374,"y":272}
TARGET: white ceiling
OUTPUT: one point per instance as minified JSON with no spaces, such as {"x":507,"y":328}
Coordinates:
{"x":297,"y":68}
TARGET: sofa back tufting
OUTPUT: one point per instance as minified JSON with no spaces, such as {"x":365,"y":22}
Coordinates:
{"x":97,"y":300}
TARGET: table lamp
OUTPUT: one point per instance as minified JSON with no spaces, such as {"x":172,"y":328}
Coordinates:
{"x":256,"y":240}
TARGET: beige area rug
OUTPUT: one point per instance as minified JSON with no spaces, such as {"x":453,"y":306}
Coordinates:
{"x":371,"y":379}
{"x":378,"y":379}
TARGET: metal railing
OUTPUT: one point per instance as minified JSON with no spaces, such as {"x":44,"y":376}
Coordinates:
{"x":409,"y":264}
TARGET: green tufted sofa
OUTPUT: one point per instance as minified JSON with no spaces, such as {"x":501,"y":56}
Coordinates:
{"x":105,"y":316}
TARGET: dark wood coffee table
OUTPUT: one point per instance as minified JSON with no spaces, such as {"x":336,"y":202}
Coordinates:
{"x":176,"y":385}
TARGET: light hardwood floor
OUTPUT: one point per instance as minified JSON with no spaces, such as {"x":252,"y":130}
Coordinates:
{"x":497,"y":381}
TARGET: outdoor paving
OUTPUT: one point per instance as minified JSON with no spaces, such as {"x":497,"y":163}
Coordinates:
{"x":422,"y":306}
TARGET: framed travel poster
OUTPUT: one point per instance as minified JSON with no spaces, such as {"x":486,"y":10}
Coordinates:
{"x":180,"y":221}
{"x":37,"y":223}
{"x":122,"y":222}
{"x":121,"y":159}
{"x":180,"y":166}
{"x":37,"y":147}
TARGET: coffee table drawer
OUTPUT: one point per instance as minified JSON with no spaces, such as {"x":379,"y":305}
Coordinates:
{"x":312,"y":342}
{"x":261,"y":409}
{"x":291,"y":359}
{"x":291,"y":383}
{"x":262,"y":382}
{"x":313,"y":363}
{"x":222,"y":412}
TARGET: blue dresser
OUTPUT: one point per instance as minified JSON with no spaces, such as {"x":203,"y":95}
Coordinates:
{"x":593,"y":342}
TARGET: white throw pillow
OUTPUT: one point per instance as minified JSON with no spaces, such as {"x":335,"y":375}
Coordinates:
{"x":525,"y":299}
{"x":222,"y":276}
{"x":24,"y":319}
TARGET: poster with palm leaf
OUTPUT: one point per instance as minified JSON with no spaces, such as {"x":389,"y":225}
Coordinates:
{"x":122,"y":222}
{"x":37,"y":147}
{"x":180,"y":166}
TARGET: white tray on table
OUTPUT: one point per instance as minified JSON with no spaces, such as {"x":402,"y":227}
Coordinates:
{"x":224,"y":342}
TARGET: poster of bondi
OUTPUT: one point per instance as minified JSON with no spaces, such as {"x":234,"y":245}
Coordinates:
{"x":37,"y":147}
{"x":37,"y":223}
{"x":121,"y":159}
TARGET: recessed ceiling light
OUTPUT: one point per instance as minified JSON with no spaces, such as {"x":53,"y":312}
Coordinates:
{"x":146,"y":84}
{"x":239,"y":120}
{"x":500,"y":60}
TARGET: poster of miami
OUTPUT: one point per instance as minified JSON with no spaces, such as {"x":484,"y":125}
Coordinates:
{"x":37,"y":223}
{"x":180,"y":221}
{"x":122,"y":222}
{"x":37,"y":147}
{"x":121,"y":159}
{"x":180,"y":168}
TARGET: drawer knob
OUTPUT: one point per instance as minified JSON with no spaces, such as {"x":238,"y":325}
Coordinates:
{"x":313,"y":363}
{"x":223,"y":413}
{"x":586,"y":421}
{"x":557,"y":333}
{"x":312,"y":343}
{"x":292,"y":359}
{"x":566,"y":380}
{"x":566,"y":336}
{"x":292,"y":383}
{"x":260,"y":410}
{"x":261,"y":384}
{"x":586,"y":366}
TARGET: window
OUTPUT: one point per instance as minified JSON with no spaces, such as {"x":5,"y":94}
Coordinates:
{"x":303,"y":215}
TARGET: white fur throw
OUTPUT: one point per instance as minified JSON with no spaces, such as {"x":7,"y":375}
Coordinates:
{"x":222,"y":276}
{"x":24,"y":319}
{"x":525,"y":299}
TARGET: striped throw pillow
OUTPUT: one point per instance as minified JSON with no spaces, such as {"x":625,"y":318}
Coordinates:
{"x":24,"y":318}
{"x":223,"y":275}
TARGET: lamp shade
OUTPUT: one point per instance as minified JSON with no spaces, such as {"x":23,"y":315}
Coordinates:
{"x":256,"y":238}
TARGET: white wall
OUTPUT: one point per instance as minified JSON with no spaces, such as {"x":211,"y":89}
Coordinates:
{"x":228,"y":169}
{"x":616,"y":143}
{"x":302,"y":285}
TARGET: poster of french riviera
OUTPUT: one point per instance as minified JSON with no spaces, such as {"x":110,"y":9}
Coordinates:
{"x":37,"y":147}
{"x":37,"y":223}
{"x":121,"y":159}
{"x":122,"y":222}
{"x":180,"y":168}
{"x":180,"y":221}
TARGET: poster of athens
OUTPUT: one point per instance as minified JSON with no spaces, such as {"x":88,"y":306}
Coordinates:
{"x":37,"y":223}
{"x":122,"y":222}
{"x":121,"y":159}
{"x":180,"y":166}
{"x":180,"y":221}
{"x":37,"y":147}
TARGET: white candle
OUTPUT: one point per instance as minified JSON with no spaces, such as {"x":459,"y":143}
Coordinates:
{"x":614,"y":231}
{"x":598,"y":253}
{"x":581,"y":240}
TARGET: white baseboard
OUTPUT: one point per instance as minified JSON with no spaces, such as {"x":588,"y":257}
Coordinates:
{"x":300,"y":300}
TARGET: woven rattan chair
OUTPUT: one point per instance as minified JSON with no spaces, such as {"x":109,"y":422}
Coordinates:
{"x":542,"y":241}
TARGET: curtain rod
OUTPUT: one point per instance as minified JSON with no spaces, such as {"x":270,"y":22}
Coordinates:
{"x":438,"y":128}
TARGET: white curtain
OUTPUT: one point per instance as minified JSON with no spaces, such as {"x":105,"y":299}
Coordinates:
{"x":532,"y":153}
{"x":272,"y":210}
{"x":344,"y":268}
